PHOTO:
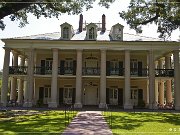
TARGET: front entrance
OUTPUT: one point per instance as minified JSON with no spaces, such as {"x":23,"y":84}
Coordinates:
{"x":91,"y":95}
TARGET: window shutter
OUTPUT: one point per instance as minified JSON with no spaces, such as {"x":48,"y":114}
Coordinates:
{"x":73,"y":95}
{"x":120,"y":96}
{"x":74,"y":67}
{"x":121,"y":68}
{"x":139,"y":68}
{"x":41,"y":93}
{"x":107,"y":95}
{"x":42,"y":67}
{"x":62,"y":67}
{"x":61,"y":91}
{"x":108,"y":68}
{"x":140,"y":94}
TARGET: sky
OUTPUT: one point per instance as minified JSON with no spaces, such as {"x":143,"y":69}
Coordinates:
{"x":50,"y":25}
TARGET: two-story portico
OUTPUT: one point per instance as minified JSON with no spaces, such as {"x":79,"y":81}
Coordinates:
{"x":91,"y":66}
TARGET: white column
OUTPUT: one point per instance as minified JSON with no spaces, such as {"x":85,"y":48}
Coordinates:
{"x":156,"y":91}
{"x":5,"y":77}
{"x":161,"y":84}
{"x":168,"y":82}
{"x":21,"y":84}
{"x":128,"y":102}
{"x":156,"y":84}
{"x":78,"y":100}
{"x":176,"y":80}
{"x":54,"y":87}
{"x":102,"y":103}
{"x":152,"y":101}
{"x":30,"y":79}
{"x":13,"y":92}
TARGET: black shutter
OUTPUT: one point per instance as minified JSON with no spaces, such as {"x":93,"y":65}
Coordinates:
{"x":140,"y":94}
{"x":41,"y":93}
{"x":61,"y":91}
{"x":107,"y":95}
{"x":120,"y":97}
{"x":139,"y":68}
{"x":74,"y":67}
{"x":108,"y":68}
{"x":62,"y":67}
{"x":42,"y":67}
{"x":73,"y":95}
{"x":121,"y":70}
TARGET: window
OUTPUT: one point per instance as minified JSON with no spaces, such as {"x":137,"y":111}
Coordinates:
{"x":68,"y":67}
{"x":91,"y":33}
{"x":134,"y":67}
{"x":47,"y":92}
{"x":65,"y":33}
{"x":68,"y":92}
{"x":113,"y":93}
{"x":49,"y":66}
{"x":118,"y":33}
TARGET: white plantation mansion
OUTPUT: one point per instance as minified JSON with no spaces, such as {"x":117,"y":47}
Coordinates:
{"x":91,"y":66}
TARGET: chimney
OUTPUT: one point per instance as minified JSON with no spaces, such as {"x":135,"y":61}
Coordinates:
{"x":80,"y":23}
{"x":103,"y":23}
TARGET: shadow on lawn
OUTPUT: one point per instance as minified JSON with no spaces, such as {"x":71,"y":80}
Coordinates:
{"x":131,"y":121}
{"x":45,"y":122}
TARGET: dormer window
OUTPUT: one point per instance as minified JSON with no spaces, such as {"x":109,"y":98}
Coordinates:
{"x":65,"y":33}
{"x":117,"y":32}
{"x":91,"y":33}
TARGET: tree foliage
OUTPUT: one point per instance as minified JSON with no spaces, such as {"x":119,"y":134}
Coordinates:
{"x":18,"y":9}
{"x":164,"y":13}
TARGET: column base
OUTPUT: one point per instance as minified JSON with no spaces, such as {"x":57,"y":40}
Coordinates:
{"x":27,"y":104}
{"x":52,"y":105}
{"x":177,"y":108}
{"x":3,"y":104}
{"x":77,"y":105}
{"x":153,"y":106}
{"x":128,"y":106}
{"x":102,"y":105}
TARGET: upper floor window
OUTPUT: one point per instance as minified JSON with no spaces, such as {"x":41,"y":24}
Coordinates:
{"x":65,"y":33}
{"x":91,"y":33}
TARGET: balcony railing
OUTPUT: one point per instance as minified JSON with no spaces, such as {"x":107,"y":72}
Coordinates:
{"x":43,"y":70}
{"x":18,"y":70}
{"x":164,"y":72}
{"x":117,"y":71}
{"x":91,"y":71}
{"x":66,"y":71}
{"x":139,"y":72}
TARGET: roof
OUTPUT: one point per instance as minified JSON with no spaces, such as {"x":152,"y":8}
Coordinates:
{"x":101,"y":36}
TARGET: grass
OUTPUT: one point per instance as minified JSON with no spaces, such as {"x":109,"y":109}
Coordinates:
{"x":33,"y":122}
{"x":143,"y":123}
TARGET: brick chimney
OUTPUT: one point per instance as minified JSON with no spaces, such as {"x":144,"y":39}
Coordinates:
{"x":80,"y":23}
{"x":103,"y":23}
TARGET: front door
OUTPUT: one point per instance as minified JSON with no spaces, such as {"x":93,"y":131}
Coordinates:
{"x":91,"y":95}
{"x":113,"y":96}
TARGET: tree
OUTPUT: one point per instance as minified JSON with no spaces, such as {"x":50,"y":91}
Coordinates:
{"x":19,"y":9}
{"x":164,"y":13}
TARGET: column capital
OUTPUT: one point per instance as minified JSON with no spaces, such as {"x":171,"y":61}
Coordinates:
{"x":103,"y":49}
{"x":14,"y":52}
{"x":79,"y":50}
{"x":168,"y":55}
{"x":55,"y":49}
{"x":7,"y":48}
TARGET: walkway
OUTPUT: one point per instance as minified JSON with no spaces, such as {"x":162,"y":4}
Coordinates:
{"x":88,"y":123}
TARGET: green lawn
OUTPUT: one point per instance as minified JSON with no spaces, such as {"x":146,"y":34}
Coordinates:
{"x":36,"y":122}
{"x":143,"y":123}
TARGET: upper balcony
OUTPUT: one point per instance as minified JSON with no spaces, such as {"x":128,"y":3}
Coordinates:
{"x":164,"y":72}
{"x":18,"y":70}
{"x":22,"y":70}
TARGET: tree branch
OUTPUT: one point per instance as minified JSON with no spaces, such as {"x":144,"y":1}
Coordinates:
{"x":10,"y":8}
